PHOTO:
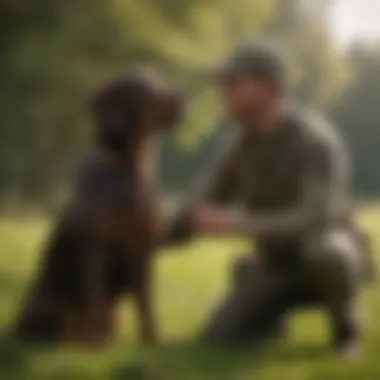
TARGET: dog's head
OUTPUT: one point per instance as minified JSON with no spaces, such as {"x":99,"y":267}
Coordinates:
{"x":134,"y":106}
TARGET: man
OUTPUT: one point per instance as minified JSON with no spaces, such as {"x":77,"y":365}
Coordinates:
{"x":290,"y":172}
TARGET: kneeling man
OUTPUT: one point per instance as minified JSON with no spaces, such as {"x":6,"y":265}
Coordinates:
{"x":290,"y":171}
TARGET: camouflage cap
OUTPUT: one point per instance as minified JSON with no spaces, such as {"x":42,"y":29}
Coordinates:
{"x":256,"y":59}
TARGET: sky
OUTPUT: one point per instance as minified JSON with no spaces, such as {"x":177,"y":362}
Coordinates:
{"x":355,"y":19}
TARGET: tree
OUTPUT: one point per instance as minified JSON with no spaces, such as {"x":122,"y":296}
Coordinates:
{"x":358,"y":115}
{"x":320,"y":72}
{"x":56,"y":53}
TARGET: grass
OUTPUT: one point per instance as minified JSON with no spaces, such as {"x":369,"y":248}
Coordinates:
{"x":189,"y":282}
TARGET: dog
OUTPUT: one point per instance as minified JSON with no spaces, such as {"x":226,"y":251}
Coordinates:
{"x":102,"y":246}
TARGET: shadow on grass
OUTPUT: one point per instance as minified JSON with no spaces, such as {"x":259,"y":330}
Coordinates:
{"x":8,"y":283}
{"x":13,"y":355}
{"x":181,"y":360}
{"x":192,"y":361}
{"x":13,"y":358}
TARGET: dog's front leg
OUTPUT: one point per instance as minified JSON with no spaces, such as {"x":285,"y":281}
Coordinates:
{"x":144,"y":303}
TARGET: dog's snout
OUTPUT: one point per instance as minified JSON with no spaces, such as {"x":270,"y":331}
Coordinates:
{"x":178,"y":103}
{"x":172,"y":109}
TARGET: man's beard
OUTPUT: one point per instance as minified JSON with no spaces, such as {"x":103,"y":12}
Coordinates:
{"x":250,"y":115}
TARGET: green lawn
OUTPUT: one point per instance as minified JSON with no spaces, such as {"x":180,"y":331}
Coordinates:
{"x":189,"y":282}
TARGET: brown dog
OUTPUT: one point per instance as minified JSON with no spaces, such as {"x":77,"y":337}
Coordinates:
{"x":102,"y":247}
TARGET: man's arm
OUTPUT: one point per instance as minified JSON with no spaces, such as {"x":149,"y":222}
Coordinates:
{"x":324,"y":196}
{"x":216,"y":186}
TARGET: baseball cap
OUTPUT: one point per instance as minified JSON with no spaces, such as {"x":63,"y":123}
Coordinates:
{"x":256,"y":59}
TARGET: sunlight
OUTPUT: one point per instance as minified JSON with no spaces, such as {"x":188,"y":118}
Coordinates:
{"x":352,"y":19}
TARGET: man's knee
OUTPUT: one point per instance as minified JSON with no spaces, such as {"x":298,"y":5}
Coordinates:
{"x":334,"y":250}
{"x":229,"y":322}
{"x":334,"y":265}
{"x":242,"y":270}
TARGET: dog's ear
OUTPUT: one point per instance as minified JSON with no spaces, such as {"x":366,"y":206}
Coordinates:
{"x":110,"y":120}
{"x":117,"y":109}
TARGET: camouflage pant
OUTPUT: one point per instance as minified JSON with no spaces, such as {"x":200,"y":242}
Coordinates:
{"x":327,"y":273}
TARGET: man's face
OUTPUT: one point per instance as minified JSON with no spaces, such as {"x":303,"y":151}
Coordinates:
{"x":245,"y":97}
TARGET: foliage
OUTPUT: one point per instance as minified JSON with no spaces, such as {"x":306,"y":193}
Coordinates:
{"x":358,"y":116}
{"x":56,"y":53}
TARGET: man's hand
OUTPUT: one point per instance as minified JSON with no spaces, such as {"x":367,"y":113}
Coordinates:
{"x":211,"y":220}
